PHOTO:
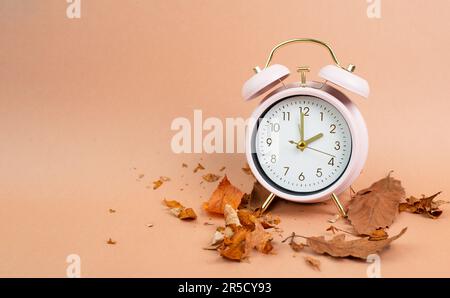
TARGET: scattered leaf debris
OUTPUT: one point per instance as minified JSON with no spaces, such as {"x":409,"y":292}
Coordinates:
{"x":111,"y":210}
{"x":246,"y":169}
{"x":180,"y":211}
{"x":198,"y":168}
{"x":149,"y":225}
{"x":183,"y":165}
{"x":222,"y":169}
{"x":210,"y":177}
{"x":111,"y":242}
{"x":424,"y":205}
{"x":312,"y":262}
{"x":225,"y":193}
{"x":141,"y":176}
{"x":377,"y":206}
{"x":160,"y":181}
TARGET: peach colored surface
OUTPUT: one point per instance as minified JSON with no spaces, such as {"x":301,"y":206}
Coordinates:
{"x":85,"y":101}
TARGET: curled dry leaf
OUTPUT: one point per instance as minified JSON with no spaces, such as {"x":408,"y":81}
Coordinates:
{"x":180,"y":211}
{"x":231,"y":216}
{"x":375,"y":207}
{"x":425,"y":205}
{"x":198,"y":168}
{"x":314,"y":263}
{"x":339,"y":247}
{"x":210,"y":177}
{"x":225,"y":193}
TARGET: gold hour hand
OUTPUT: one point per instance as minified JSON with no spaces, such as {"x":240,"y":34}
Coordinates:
{"x":313,"y":139}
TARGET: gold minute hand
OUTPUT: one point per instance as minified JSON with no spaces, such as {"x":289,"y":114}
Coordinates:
{"x":313,"y":139}
{"x":302,"y":127}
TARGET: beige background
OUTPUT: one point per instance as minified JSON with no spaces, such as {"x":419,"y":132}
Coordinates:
{"x":85,"y":101}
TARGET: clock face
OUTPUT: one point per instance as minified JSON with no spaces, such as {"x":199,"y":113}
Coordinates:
{"x":303,"y":144}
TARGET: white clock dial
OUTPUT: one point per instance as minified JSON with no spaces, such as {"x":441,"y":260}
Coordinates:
{"x":308,"y":166}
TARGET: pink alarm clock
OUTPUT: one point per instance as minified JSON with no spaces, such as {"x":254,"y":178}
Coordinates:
{"x":307,"y":140}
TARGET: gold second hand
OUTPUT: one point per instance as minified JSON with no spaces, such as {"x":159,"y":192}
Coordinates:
{"x":320,"y":151}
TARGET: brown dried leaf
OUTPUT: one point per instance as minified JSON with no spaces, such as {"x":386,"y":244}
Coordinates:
{"x":112,"y":210}
{"x":225,"y":193}
{"x":231,"y":216}
{"x":222,"y":168}
{"x":183,"y":165}
{"x":247,"y":219}
{"x":359,"y":248}
{"x":314,"y":263}
{"x":377,"y":206}
{"x":187,"y":213}
{"x":198,"y":168}
{"x":157,"y":184}
{"x":210,"y":177}
{"x":425,"y":205}
{"x":257,"y":197}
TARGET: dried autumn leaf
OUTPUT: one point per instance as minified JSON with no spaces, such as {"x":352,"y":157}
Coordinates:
{"x":377,"y":206}
{"x":210,"y":177}
{"x":359,"y":248}
{"x":425,"y":205}
{"x":314,"y":263}
{"x":257,"y":196}
{"x":225,"y":193}
{"x":198,"y":168}
{"x":180,"y":211}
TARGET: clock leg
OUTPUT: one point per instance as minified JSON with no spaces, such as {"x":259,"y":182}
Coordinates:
{"x":339,"y":205}
{"x":267,"y":202}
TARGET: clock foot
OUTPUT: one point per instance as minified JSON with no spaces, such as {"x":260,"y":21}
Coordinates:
{"x":339,"y":205}
{"x":267,"y":202}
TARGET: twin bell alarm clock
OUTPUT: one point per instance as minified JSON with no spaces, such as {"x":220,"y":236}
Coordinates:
{"x":306,"y":141}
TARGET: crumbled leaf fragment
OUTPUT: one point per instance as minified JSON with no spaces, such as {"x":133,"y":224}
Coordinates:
{"x":231,"y":216}
{"x":198,"y":168}
{"x":234,"y":248}
{"x":183,"y":165}
{"x":180,"y":211}
{"x":222,"y":169}
{"x":111,"y":242}
{"x":225,"y":193}
{"x":314,"y":263}
{"x":377,"y":206}
{"x":157,"y":184}
{"x":210,"y":177}
{"x":111,"y":210}
{"x":259,"y":239}
{"x":424,"y":205}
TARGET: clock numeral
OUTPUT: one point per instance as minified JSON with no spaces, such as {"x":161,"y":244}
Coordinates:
{"x":269,"y":141}
{"x":332,"y":128}
{"x":287,"y":116}
{"x":319,"y":172}
{"x":273,"y":158}
{"x":331,"y":162}
{"x":321,"y":116}
{"x":338,"y":145}
{"x":301,"y":177}
{"x":305,"y":111}
{"x":275,"y":127}
{"x":287,"y":170}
